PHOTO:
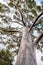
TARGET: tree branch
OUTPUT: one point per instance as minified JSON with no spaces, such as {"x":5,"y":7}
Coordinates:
{"x":5,"y":30}
{"x":11,"y":31}
{"x":1,"y":42}
{"x":18,"y":23}
{"x":33,"y":35}
{"x":35,"y":21}
{"x":22,"y":18}
{"x":21,"y":14}
{"x":38,"y":39}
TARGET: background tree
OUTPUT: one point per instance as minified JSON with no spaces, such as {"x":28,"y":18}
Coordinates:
{"x":19,"y":12}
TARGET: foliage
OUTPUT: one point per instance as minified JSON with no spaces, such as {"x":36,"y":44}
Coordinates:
{"x":6,"y":57}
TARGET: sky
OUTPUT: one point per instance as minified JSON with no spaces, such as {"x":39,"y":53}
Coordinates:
{"x":38,"y":1}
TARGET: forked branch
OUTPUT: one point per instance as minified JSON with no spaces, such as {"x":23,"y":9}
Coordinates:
{"x":22,"y":18}
{"x":35,"y":21}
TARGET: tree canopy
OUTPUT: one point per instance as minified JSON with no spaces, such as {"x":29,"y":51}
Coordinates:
{"x":13,"y":14}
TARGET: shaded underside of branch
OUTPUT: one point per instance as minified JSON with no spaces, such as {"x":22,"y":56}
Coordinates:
{"x":38,"y":39}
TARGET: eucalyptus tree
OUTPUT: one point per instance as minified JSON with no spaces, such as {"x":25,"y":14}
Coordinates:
{"x":29,"y":17}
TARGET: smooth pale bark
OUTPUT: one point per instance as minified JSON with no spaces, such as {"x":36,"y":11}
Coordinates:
{"x":26,"y":54}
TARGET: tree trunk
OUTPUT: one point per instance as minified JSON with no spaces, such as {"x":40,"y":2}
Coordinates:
{"x":26,"y":54}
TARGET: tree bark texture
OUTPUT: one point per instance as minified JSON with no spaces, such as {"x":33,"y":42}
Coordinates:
{"x":26,"y":54}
